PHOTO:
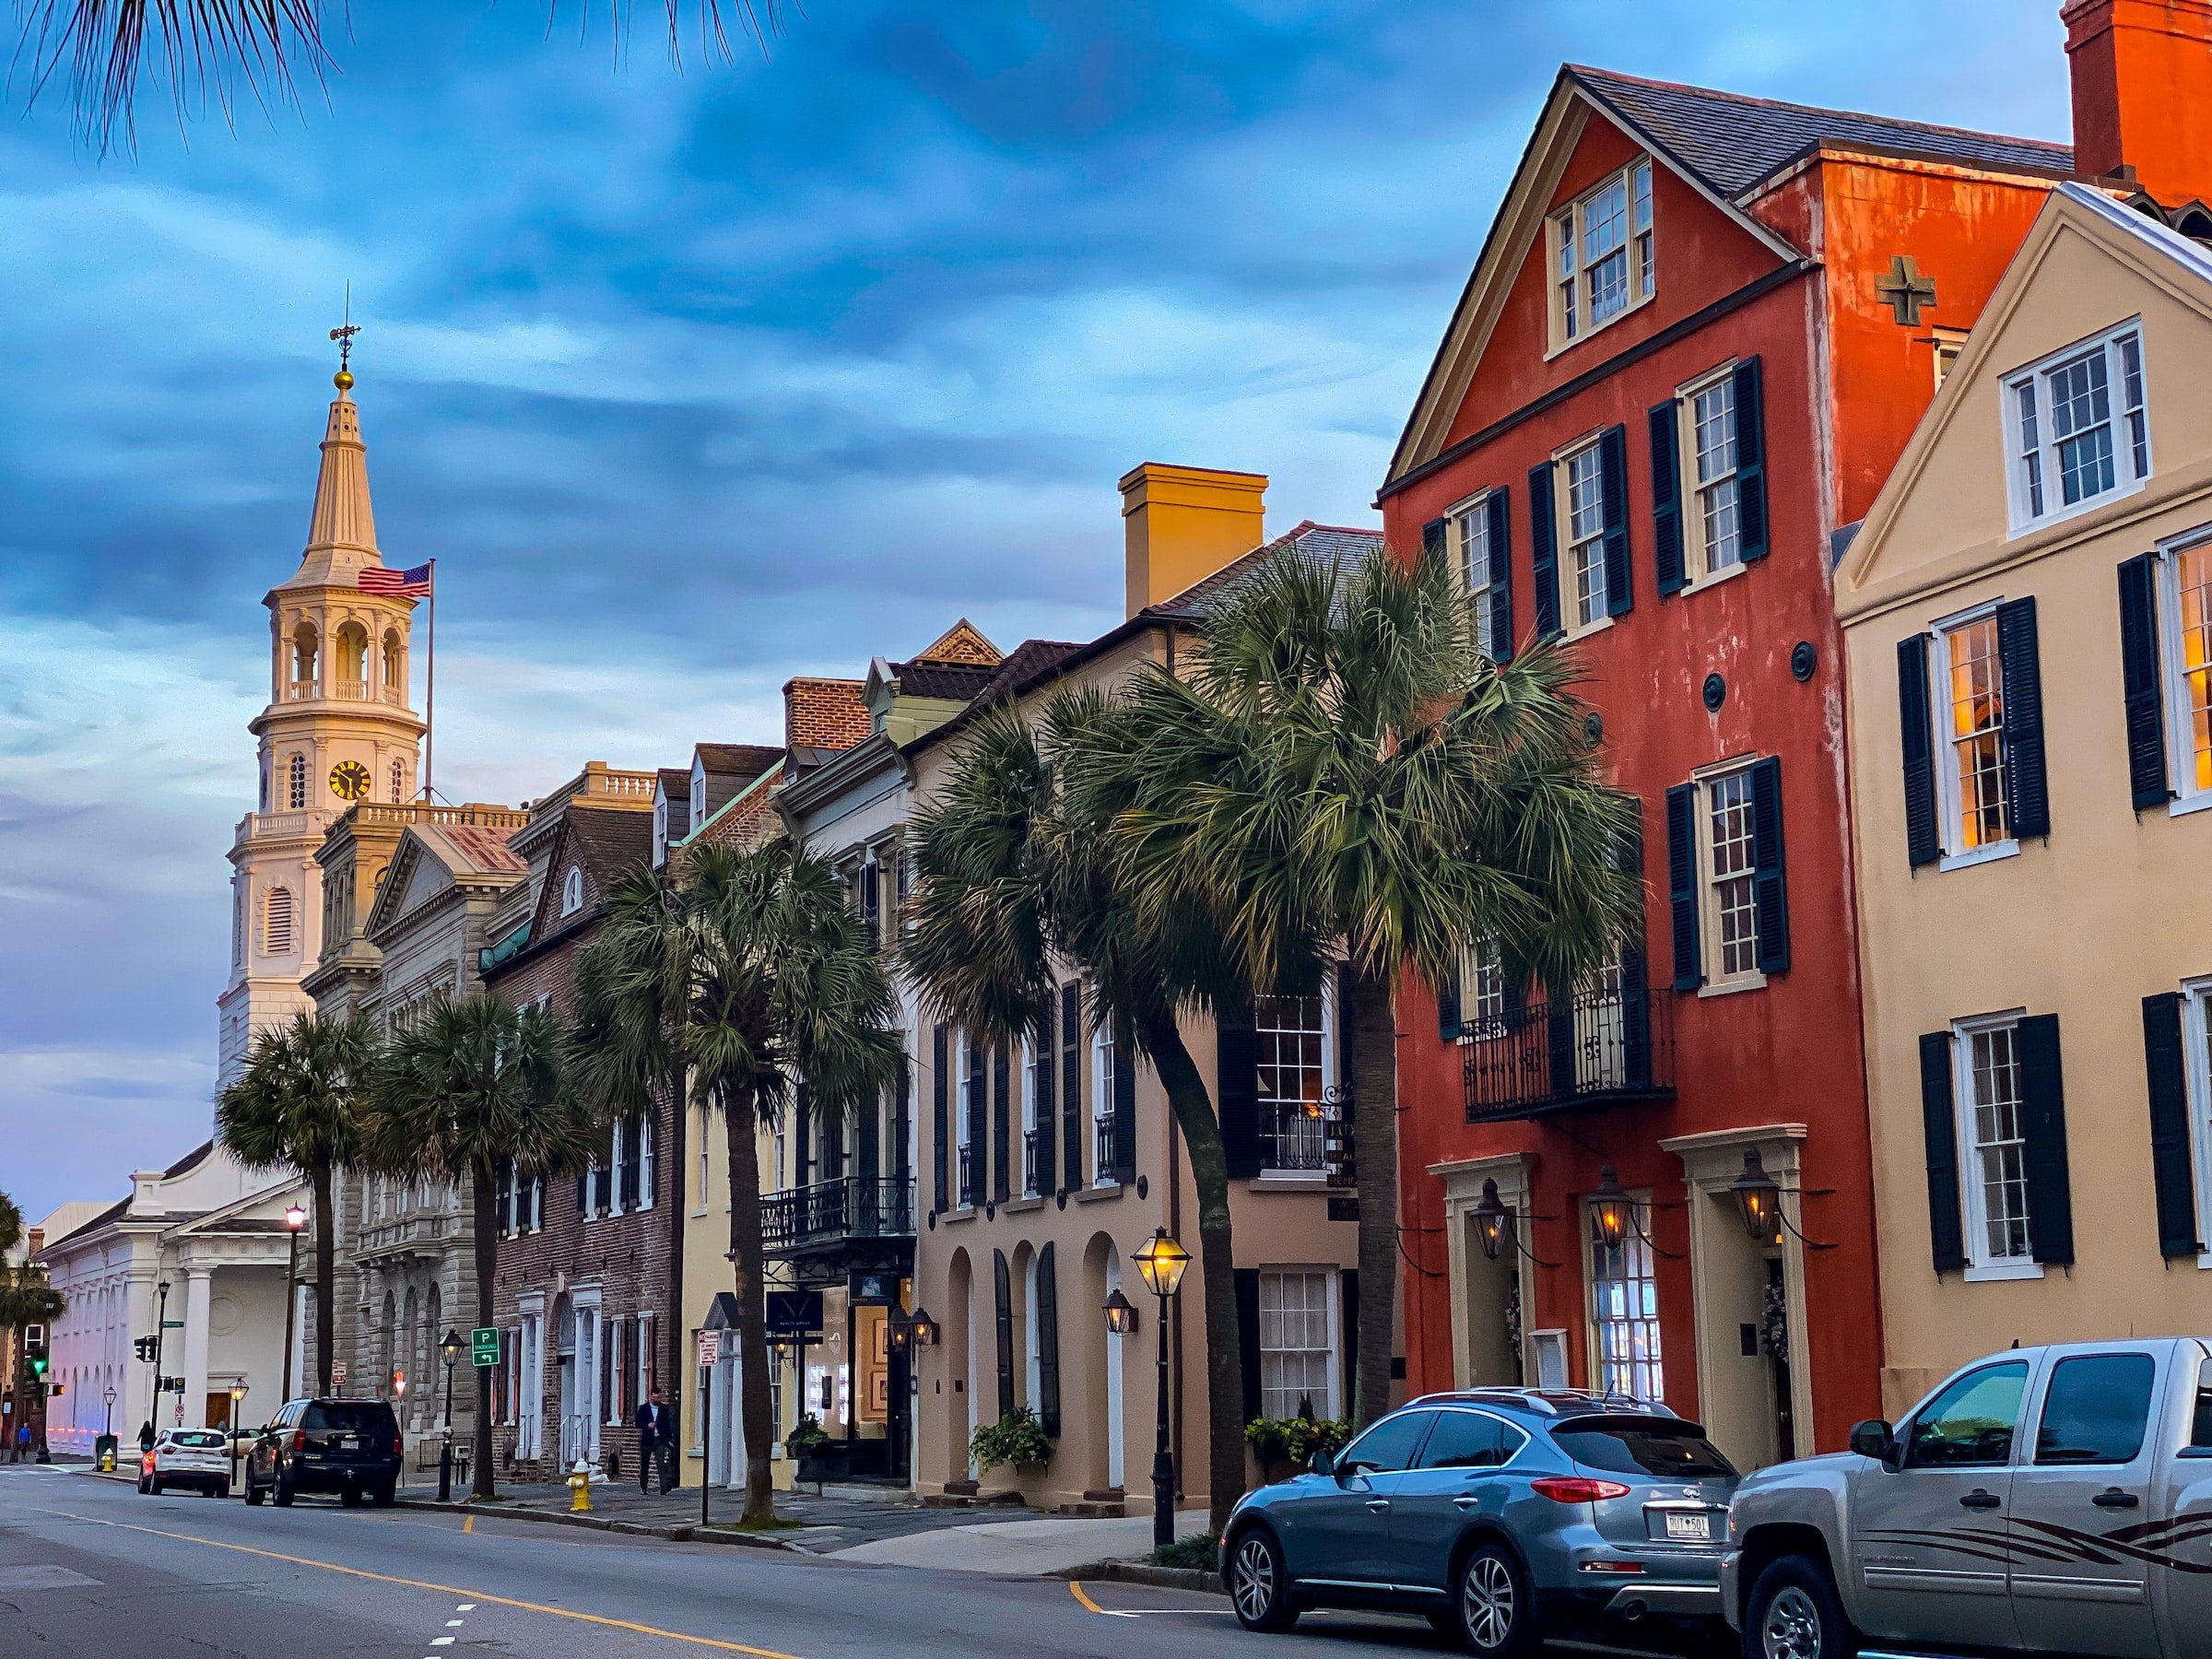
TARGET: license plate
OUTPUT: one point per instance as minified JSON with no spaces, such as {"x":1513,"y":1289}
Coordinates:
{"x":1695,"y":1526}
{"x":347,"y":1442}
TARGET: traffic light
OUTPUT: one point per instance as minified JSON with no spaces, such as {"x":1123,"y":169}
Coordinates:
{"x":37,"y":1357}
{"x":144,"y":1345}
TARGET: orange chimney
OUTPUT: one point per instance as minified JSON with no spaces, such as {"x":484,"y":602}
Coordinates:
{"x":1183,"y":524}
{"x":2142,"y":73}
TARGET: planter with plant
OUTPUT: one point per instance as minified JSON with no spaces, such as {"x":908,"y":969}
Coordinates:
{"x":803,"y":1445}
{"x":1017,"y":1438}
{"x":1288,"y":1443}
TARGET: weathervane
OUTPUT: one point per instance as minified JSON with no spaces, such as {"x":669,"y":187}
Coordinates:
{"x":344,"y":334}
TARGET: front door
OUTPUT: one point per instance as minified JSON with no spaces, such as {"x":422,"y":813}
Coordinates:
{"x":1932,"y":1534}
{"x":1340,"y":1534}
{"x":2089,"y":1481}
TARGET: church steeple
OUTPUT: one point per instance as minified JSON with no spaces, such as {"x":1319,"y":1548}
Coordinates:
{"x":341,"y":536}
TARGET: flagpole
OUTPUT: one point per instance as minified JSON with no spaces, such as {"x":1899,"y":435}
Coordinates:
{"x":430,"y":714}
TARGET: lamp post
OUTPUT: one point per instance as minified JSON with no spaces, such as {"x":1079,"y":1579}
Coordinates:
{"x":238,"y":1398}
{"x":451,"y":1348}
{"x":107,"y":1424}
{"x":160,"y":1336}
{"x":294,"y":1219}
{"x":1161,"y":1262}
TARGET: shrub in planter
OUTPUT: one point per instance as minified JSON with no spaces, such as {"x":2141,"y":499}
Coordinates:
{"x":806,"y":1438}
{"x":1016,"y":1438}
{"x":1279,"y":1441}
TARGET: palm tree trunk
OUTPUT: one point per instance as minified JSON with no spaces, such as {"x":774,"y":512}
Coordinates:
{"x":326,"y":1275}
{"x":484,"y":1218}
{"x":740,"y":1121}
{"x":1201,"y":1128}
{"x":1375,"y":1149}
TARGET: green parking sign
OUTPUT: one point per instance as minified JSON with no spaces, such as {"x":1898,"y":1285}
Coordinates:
{"x":484,"y":1345}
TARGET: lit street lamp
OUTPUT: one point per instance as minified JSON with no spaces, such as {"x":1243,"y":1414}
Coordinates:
{"x":107,"y":1424}
{"x":1161,"y":1262}
{"x":294,"y":1219}
{"x":451,"y":1348}
{"x":238,"y":1398}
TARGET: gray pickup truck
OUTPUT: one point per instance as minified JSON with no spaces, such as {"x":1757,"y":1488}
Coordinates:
{"x":2050,"y":1499}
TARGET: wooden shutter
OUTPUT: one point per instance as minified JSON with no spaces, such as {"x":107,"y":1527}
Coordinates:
{"x":1498,"y":509}
{"x":903,"y":1112}
{"x":1635,"y":983}
{"x":1435,"y":538}
{"x":1237,"y":1091}
{"x":1125,"y":1104}
{"x":2025,"y":784}
{"x":1939,"y":1126}
{"x":1047,"y":1070}
{"x":1916,"y":746}
{"x":1002,"y":1124}
{"x":1559,"y":1040}
{"x":978,"y":1090}
{"x":1613,"y":499}
{"x":868,"y":1142}
{"x":1248,"y":1337}
{"x":1448,"y":1020}
{"x":1750,"y":462}
{"x":2171,"y":1170}
{"x":1048,"y":1338}
{"x":1769,"y":885}
{"x":1666,"y":497}
{"x":870,"y":904}
{"x":1542,"y":550}
{"x":2143,"y":698}
{"x":941,"y":1124}
{"x":1071,"y":1086}
{"x":1002,"y":1288}
{"x":801,"y":1136}
{"x":2043,"y":1126}
{"x":1682,"y":883}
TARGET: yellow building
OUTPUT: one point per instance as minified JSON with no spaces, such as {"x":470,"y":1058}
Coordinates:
{"x":2028,"y":612}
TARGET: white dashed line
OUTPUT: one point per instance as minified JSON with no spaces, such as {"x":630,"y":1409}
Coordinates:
{"x":441,"y":1642}
{"x":466,"y":1607}
{"x":453,"y":1623}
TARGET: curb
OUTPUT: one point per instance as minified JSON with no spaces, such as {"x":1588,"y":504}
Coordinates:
{"x":679,"y":1533}
{"x":1144,"y":1573}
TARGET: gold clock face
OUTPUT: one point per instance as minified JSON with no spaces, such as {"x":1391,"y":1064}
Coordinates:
{"x":349,"y":781}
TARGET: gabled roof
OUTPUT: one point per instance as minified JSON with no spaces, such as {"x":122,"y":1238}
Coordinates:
{"x":1321,"y":544}
{"x":738,"y":760}
{"x":962,"y":642}
{"x":957,"y":681}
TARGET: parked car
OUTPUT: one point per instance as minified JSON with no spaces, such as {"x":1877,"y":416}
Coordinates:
{"x":1501,"y":1514}
{"x":2052,"y":1499}
{"x":194,"y":1458}
{"x":351,"y":1447}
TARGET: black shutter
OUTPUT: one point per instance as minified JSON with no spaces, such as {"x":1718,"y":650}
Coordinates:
{"x":802,"y":1137}
{"x":868,"y":1147}
{"x":2170,"y":1165}
{"x":1433,"y":538}
{"x":2043,"y":1127}
{"x":1125,"y":1104}
{"x":870,"y":904}
{"x":1769,"y":885}
{"x":1613,"y":498}
{"x":1047,"y":1070}
{"x":1248,"y":1337}
{"x":1071,"y":1086}
{"x":1939,"y":1125}
{"x":1349,"y":1325}
{"x":1237,"y":1090}
{"x":1682,"y":883}
{"x":584,"y":1194}
{"x":1544,"y":551}
{"x":1448,"y":1024}
{"x":1916,"y":745}
{"x":2139,"y":677}
{"x":630,"y":1167}
{"x":979,"y":1122}
{"x":2026,"y":787}
{"x":903,"y":1116}
{"x":1635,"y":982}
{"x":1048,"y":1340}
{"x":1002,"y":1124}
{"x":603,"y":1188}
{"x":1499,"y":509}
{"x":941,"y":1122}
{"x":1002,"y":1288}
{"x":1666,"y":498}
{"x":1750,"y":462}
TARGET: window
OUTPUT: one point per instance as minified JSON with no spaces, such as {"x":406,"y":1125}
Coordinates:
{"x":1949,"y":342}
{"x":1673,"y":1452}
{"x":1624,"y":1314}
{"x":1713,"y":461}
{"x":1028,"y":1118}
{"x":1971,"y":707}
{"x":1297,"y":1366}
{"x":969,"y":1120}
{"x":296,"y":781}
{"x":1993,"y":1144}
{"x":399,"y":781}
{"x":1729,"y":863}
{"x":1604,"y":261}
{"x":1726,"y":878}
{"x":660,"y":832}
{"x":395,"y":666}
{"x":2096,"y":1410}
{"x":1103,"y":1060}
{"x":2078,"y":427}
{"x":1470,"y":1440}
{"x":1470,"y":540}
{"x":1969,"y":1425}
{"x":1973,"y":763}
{"x":1389,"y":1446}
{"x":1584,"y":471}
{"x":1482,"y":991}
{"x":571,"y":890}
{"x":1291,"y":1046}
{"x":276,"y":922}
{"x":641,"y":1196}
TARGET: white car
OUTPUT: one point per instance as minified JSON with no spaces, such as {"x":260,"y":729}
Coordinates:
{"x":186,"y":1457}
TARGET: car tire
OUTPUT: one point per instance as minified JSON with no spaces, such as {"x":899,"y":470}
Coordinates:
{"x":1258,"y":1582}
{"x":1494,"y":1610}
{"x":254,"y":1495}
{"x":283,"y":1495}
{"x":351,"y":1498}
{"x":384,"y":1497}
{"x":1794,"y":1612}
{"x":153,"y":1487}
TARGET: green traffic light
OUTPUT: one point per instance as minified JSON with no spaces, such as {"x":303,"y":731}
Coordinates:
{"x":37,"y":1365}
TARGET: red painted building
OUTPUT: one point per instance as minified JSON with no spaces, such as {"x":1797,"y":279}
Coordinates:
{"x":1701,"y":331}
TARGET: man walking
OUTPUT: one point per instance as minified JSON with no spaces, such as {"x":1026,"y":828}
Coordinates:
{"x":656,"y":1442}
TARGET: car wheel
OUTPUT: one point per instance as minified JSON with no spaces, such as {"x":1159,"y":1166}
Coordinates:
{"x":351,"y":1498}
{"x":1491,"y":1605}
{"x":254,"y":1495}
{"x":283,"y":1494}
{"x":153,"y":1486}
{"x":1794,"y":1613}
{"x":384,"y":1497}
{"x":1259,"y":1585}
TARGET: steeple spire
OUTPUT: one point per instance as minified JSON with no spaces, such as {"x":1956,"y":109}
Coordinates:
{"x":341,"y":537}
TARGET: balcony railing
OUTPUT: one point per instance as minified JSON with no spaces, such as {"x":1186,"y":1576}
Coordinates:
{"x":1028,"y":1163}
{"x":1596,"y":1048}
{"x":353,"y":690}
{"x":1101,"y":1148}
{"x":302,"y":691}
{"x":829,"y":1212}
{"x":1292,"y":1135}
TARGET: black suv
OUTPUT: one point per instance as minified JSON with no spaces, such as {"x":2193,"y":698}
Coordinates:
{"x":349,"y":1447}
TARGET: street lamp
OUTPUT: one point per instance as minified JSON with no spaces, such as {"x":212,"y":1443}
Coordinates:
{"x":1493,"y":1222}
{"x":1758,"y":1197}
{"x":107,"y":1424}
{"x":238,"y":1398}
{"x":451,"y":1348}
{"x":924,"y":1328}
{"x":1161,"y":1262}
{"x":1121,"y":1314}
{"x":1611,"y":1211}
{"x":160,"y":1336}
{"x":294,"y":1219}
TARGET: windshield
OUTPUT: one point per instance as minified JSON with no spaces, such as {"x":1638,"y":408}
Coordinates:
{"x":196,"y":1439}
{"x":351,"y":1416}
{"x":1678,"y":1453}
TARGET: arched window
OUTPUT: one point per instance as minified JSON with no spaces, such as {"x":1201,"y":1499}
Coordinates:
{"x":399,"y":781}
{"x":395,"y":666}
{"x":353,"y":661}
{"x":305,"y":664}
{"x":571,"y":890}
{"x":276,"y":922}
{"x":298,"y":793}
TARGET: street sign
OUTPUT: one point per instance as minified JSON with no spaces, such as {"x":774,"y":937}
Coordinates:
{"x":484,"y":1346}
{"x":337,"y":1374}
{"x":172,"y":1324}
{"x":710,"y":1349}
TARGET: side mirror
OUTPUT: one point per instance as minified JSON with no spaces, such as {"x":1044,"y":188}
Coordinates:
{"x":1874,"y":1438}
{"x":1324,"y":1462}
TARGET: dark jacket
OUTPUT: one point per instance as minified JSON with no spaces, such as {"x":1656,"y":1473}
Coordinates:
{"x":654,"y":1423}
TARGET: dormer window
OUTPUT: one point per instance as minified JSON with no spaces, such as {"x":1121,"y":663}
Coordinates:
{"x":571,"y":890}
{"x":1603,"y":256}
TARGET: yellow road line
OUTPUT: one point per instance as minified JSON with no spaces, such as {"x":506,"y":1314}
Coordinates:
{"x":469,"y":1524}
{"x":1077,"y":1589}
{"x":481,"y":1595}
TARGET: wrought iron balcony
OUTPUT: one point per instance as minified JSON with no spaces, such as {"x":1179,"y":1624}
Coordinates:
{"x":799,"y":1220}
{"x":1293,"y":1135}
{"x":1597,"y":1048}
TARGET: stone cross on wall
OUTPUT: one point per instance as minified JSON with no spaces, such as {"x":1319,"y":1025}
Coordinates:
{"x":1905,"y":290}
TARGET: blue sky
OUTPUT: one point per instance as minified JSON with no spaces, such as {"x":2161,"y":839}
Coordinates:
{"x":694,"y":381}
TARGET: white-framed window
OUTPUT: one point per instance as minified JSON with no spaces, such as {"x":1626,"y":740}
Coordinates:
{"x":2078,"y":428}
{"x":1029,"y":1126}
{"x":1581,"y":475}
{"x":660,"y":832}
{"x":1298,"y":1342}
{"x":618,"y":1182}
{"x":1730,"y":907}
{"x":1624,"y":1318}
{"x":645,"y":1156}
{"x":1297,"y":1066}
{"x":1104,"y":1058}
{"x":1472,"y":554}
{"x":1970,"y":736}
{"x":699,"y":1141}
{"x":1713,"y":527}
{"x":1949,"y":344}
{"x":571,"y":890}
{"x":1482,"y":991}
{"x":2196,"y":1072}
{"x":2185,"y":626}
{"x":1992,"y":1146}
{"x":276,"y":921}
{"x":965,"y":1127}
{"x":1604,"y":260}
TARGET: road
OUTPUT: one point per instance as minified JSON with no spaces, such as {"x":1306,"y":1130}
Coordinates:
{"x":88,"y":1570}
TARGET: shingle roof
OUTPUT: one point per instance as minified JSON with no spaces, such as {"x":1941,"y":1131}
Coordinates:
{"x":1031,"y":657}
{"x":959,"y":681}
{"x":613,"y":842}
{"x":191,"y":1160}
{"x":739,"y":760}
{"x":1320,"y":543}
{"x":484,"y":849}
{"x":1734,"y":143}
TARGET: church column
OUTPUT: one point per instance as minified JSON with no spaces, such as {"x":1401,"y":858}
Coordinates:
{"x":198,"y":1286}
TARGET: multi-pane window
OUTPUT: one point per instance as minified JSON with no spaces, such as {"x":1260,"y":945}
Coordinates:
{"x":1586,"y":533}
{"x":1713,"y":463}
{"x":1624,"y":1316}
{"x":296,"y":781}
{"x":1481,"y":991}
{"x":1996,"y":1148}
{"x":1734,"y":904}
{"x":1974,"y":733}
{"x":2080,"y":428}
{"x":2190,"y":652}
{"x":1471,"y":531}
{"x":1296,"y":1364}
{"x":1292,"y":1050}
{"x":1603,"y":254}
{"x":572,"y":891}
{"x":1105,"y":1057}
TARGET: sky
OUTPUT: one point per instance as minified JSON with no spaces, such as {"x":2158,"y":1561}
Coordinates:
{"x":695,"y":378}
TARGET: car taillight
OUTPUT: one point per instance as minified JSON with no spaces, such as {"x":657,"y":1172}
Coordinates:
{"x":1577,"y":1488}
{"x":298,"y":1440}
{"x":399,"y":1444}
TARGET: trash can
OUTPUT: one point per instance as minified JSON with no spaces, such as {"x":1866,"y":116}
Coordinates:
{"x":103,"y":1454}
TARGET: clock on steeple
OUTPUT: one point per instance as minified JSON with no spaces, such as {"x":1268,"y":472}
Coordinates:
{"x":349,"y":781}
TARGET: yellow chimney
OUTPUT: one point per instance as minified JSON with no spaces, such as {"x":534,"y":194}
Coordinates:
{"x":1185,"y":523}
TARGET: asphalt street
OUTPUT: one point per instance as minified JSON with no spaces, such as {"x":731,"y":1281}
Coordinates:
{"x":88,"y":1570}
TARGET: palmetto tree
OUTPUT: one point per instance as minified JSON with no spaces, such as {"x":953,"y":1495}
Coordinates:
{"x":1344,"y":772}
{"x":726,"y":982}
{"x":472,"y":1086}
{"x":26,"y":1298}
{"x":1016,"y":879}
{"x":300,"y":1105}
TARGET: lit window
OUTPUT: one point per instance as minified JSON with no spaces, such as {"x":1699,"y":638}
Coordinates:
{"x":1586,"y":533}
{"x":1298,"y":1368}
{"x":2192,"y":590}
{"x":2079,"y":428}
{"x":1603,"y":259}
{"x":1292,"y":1048}
{"x":571,"y":890}
{"x":1949,"y":342}
{"x":1973,"y":775}
{"x":1624,"y":1316}
{"x":1993,"y":1127}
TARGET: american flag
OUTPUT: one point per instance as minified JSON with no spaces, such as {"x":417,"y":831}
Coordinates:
{"x":400,"y":584}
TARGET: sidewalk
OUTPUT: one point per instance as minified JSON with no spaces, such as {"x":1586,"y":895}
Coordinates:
{"x":1042,"y":1547}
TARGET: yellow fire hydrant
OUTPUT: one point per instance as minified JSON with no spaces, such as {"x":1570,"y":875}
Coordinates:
{"x":579,"y":1483}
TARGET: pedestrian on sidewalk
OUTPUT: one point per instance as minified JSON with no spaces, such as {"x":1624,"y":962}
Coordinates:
{"x":146,"y":1435}
{"x":656,"y":1442}
{"x":23,"y":1441}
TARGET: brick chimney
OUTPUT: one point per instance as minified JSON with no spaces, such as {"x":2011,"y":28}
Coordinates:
{"x":2142,"y":75}
{"x":1183,"y":524}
